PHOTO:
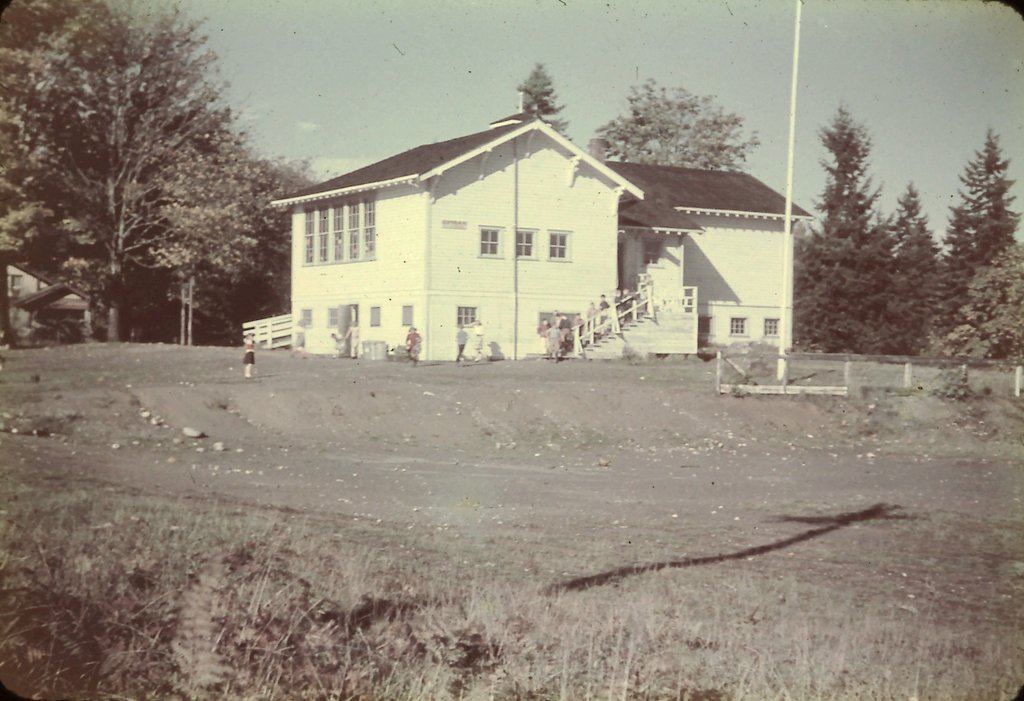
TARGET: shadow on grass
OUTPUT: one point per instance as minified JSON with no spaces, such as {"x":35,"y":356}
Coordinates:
{"x":878,"y":512}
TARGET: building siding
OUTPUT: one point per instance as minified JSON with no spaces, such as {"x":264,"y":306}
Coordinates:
{"x":482,"y":193}
{"x":736,"y":264}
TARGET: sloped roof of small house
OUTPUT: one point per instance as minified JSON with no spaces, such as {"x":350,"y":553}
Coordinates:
{"x":672,"y":194}
{"x":48,"y":295}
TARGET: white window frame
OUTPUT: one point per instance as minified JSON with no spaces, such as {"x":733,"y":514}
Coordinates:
{"x":306,"y":318}
{"x":407,"y":315}
{"x":353,"y":231}
{"x":738,"y":327}
{"x":339,"y":233}
{"x":771,"y":322}
{"x":466,"y":316}
{"x":310,"y":244}
{"x":375,"y":316}
{"x":496,"y":243}
{"x":564,"y":247}
{"x":369,"y":229}
{"x":526,"y":239}
{"x":333,"y":318}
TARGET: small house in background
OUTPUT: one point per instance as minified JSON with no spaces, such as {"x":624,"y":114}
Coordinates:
{"x":42,"y":308}
{"x":509,"y":225}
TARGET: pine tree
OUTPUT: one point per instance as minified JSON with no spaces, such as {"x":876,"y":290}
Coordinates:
{"x":539,"y":98}
{"x":843,"y":271}
{"x":981,"y":228}
{"x":915,"y":282}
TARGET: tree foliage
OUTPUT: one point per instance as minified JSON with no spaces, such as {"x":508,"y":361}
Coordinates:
{"x":843,"y":271}
{"x":993,"y":311}
{"x":981,"y":228}
{"x":915,"y":278}
{"x":128,"y":151}
{"x":539,"y":98}
{"x":676,"y":127}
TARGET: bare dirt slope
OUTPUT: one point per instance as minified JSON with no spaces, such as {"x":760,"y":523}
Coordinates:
{"x":532,"y":442}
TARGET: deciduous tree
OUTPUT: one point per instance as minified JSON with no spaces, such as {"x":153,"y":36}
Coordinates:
{"x":993,"y":311}
{"x":677,"y":128}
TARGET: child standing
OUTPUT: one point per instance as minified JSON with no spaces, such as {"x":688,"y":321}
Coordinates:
{"x":249,"y":362}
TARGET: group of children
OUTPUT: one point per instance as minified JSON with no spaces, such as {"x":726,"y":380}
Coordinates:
{"x":557,"y":336}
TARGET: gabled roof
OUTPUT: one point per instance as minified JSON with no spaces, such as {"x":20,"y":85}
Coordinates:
{"x":47,"y":296}
{"x":429,"y":160}
{"x":673,"y":193}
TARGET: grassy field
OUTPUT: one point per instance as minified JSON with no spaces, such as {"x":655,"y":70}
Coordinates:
{"x":509,"y":531}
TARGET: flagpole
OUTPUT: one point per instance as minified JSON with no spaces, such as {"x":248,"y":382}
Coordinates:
{"x":786,"y":301}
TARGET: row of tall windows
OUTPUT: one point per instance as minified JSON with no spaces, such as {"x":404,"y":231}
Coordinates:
{"x":529,"y":244}
{"x":344,"y":233}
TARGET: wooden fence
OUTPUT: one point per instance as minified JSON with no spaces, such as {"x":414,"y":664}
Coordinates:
{"x":843,"y":375}
{"x":272,"y":332}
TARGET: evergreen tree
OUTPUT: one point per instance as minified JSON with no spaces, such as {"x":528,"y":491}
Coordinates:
{"x":843,"y":271}
{"x":981,"y":228}
{"x":915,"y":282}
{"x":539,"y":98}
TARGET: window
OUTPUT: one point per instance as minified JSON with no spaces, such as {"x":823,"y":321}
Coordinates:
{"x":489,"y":242}
{"x":737,"y":326}
{"x":407,"y":315}
{"x":369,"y":229}
{"x":332,"y":317}
{"x":310,"y":222}
{"x":339,"y":245}
{"x":524,"y":244}
{"x":558,"y":245}
{"x":465,"y":316}
{"x":14,"y":283}
{"x":306,"y":318}
{"x":339,"y":233}
{"x":374,"y":316}
{"x":652,"y":251}
{"x":771,"y":327}
{"x":353,"y":231}
{"x":323,"y":247}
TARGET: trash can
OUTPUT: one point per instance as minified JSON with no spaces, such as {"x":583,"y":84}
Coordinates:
{"x":375,"y":350}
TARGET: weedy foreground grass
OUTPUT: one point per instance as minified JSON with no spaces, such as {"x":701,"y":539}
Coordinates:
{"x":112,"y":594}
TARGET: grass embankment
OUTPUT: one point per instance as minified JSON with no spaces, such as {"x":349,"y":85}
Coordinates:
{"x":109,"y":592}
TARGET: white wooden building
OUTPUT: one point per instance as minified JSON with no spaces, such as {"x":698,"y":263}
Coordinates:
{"x":513,"y":223}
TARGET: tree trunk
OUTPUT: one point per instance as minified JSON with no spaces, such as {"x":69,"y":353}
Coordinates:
{"x":6,"y":330}
{"x":114,"y":322}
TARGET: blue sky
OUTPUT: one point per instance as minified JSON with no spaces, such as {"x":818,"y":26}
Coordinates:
{"x":347,"y":83}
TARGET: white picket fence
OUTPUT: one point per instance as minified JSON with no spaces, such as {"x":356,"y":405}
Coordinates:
{"x":272,"y":332}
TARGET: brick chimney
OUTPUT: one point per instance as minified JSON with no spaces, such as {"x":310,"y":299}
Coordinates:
{"x":598,"y":148}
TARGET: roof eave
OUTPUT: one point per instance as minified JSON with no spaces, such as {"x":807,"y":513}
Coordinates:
{"x":620,"y":181}
{"x":352,"y":189}
{"x":740,"y":213}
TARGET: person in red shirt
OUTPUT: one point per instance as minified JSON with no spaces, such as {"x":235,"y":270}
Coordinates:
{"x":413,"y":344}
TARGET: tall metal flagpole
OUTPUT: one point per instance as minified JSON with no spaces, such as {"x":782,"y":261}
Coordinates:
{"x":786,"y":302}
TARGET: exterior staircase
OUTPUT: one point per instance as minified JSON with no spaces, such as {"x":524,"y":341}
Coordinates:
{"x":666,"y":325}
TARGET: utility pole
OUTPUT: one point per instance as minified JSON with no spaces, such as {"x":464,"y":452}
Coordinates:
{"x":786,"y":301}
